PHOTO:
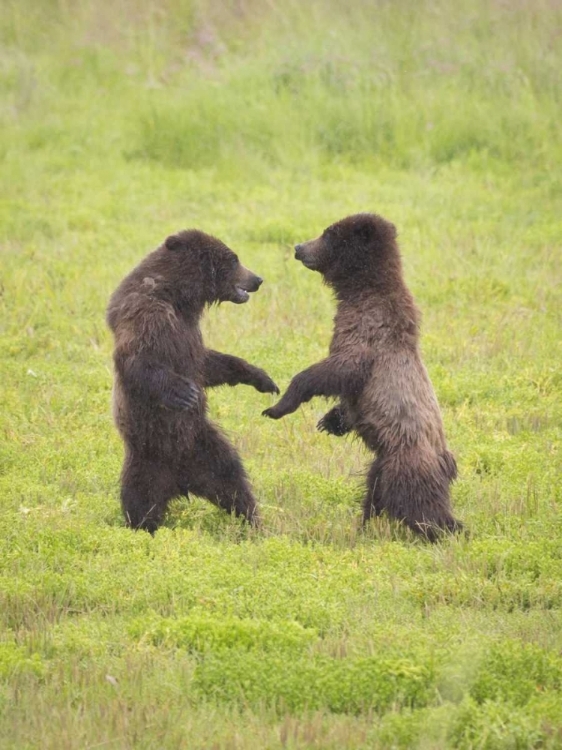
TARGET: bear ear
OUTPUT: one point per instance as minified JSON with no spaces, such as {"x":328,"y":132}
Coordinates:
{"x":173,"y":242}
{"x":392,"y":230}
{"x":366,"y":230}
{"x":378,"y":228}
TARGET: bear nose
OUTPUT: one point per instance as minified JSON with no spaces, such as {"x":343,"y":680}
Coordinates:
{"x":259,"y":281}
{"x":298,"y":250}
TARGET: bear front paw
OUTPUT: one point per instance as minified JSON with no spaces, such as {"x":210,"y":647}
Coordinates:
{"x":272,"y":413}
{"x":182,"y":396}
{"x":266,"y":385}
{"x":333,"y":423}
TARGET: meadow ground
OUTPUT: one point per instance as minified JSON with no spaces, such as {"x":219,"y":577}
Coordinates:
{"x":262,"y":123}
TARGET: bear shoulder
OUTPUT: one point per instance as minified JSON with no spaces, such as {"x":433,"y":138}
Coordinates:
{"x":141,"y":316}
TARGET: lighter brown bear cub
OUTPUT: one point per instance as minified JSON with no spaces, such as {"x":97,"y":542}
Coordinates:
{"x":374,"y":368}
{"x":161,"y":371}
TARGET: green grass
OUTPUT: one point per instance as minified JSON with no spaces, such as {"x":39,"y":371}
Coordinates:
{"x":262,"y":123}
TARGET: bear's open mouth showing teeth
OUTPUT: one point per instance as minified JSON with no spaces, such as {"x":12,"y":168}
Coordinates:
{"x":241,"y":295}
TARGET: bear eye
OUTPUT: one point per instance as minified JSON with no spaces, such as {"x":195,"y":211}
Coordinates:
{"x":227,"y":265}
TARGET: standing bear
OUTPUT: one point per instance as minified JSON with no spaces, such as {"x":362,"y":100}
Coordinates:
{"x":161,"y":371}
{"x":374,"y":368}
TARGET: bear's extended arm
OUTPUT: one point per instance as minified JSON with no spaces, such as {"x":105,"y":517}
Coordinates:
{"x":225,"y":369}
{"x":334,"y":422}
{"x":331,"y":377}
{"x":152,"y":381}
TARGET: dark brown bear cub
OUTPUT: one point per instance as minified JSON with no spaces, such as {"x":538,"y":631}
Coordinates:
{"x":375,"y":369}
{"x":161,"y":371}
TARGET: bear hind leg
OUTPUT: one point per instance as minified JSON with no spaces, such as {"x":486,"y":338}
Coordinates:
{"x":373,"y":504}
{"x":215,"y":472}
{"x":413,"y":490}
{"x":146,"y":489}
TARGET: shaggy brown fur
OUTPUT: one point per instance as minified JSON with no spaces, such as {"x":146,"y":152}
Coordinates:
{"x":161,"y":371}
{"x":375,"y":369}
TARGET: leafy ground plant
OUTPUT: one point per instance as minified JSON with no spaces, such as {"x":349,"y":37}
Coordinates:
{"x":262,"y":124}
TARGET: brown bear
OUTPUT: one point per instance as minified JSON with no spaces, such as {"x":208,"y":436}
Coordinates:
{"x":161,"y":371}
{"x":374,"y":367}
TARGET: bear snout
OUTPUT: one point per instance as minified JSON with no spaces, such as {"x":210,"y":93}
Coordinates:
{"x":252,"y":283}
{"x":246,"y":283}
{"x":307,"y":253}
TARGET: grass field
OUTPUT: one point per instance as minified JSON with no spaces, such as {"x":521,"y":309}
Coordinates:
{"x":262,"y":123}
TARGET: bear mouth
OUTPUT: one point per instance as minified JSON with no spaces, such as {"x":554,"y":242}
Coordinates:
{"x":240,"y":295}
{"x":308,"y":263}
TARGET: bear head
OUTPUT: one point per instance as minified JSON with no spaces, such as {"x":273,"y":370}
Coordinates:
{"x":357,"y":251}
{"x":200,"y":265}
